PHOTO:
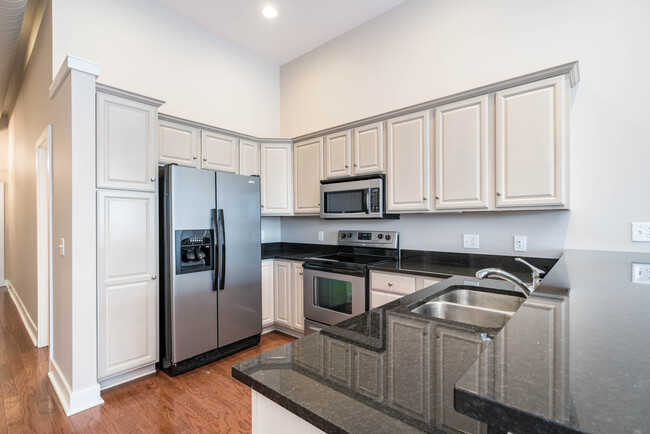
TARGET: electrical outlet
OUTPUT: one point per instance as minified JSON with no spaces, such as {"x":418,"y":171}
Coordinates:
{"x":470,"y":241}
{"x":641,"y":232}
{"x":321,"y":236}
{"x":520,"y":243}
{"x":641,"y":273}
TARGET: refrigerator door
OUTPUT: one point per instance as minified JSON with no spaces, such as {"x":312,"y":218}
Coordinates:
{"x":194,"y":299}
{"x":239,"y":273}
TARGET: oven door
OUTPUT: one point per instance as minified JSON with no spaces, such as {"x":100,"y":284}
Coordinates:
{"x":331,"y":297}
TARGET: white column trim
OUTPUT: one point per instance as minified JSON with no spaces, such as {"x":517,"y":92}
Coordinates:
{"x":72,"y":62}
{"x":72,"y":402}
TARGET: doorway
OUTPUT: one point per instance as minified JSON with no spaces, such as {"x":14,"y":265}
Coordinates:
{"x":44,"y":234}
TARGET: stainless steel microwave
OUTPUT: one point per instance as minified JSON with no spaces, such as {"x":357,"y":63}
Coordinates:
{"x":362,"y":197}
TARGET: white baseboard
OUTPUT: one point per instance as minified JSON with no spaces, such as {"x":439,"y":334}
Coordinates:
{"x":285,"y":330}
{"x":73,"y":402}
{"x":4,"y":282}
{"x":30,"y":326}
{"x":127,"y":376}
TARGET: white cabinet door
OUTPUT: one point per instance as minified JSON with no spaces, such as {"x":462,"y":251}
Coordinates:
{"x":532,"y":144}
{"x":128,"y":289}
{"x":338,"y":154}
{"x":126,"y":144}
{"x":297,"y":297}
{"x":275,"y":178}
{"x":249,"y":158}
{"x":307,"y":168}
{"x":461,"y":154}
{"x":268,"y":317}
{"x":219,"y":152}
{"x":178,"y":144}
{"x":369,"y":149}
{"x":282,"y":292}
{"x":408,"y":180}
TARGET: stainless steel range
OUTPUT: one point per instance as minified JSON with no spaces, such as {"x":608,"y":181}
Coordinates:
{"x":336,"y":286}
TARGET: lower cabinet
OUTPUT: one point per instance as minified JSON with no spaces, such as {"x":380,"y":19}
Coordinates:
{"x":282,"y":294}
{"x":297,"y":295}
{"x":268,"y":311}
{"x":387,"y":287}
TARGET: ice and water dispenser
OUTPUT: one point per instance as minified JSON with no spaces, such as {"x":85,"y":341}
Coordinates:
{"x":194,"y":251}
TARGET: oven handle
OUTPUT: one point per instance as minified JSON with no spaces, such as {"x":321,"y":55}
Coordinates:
{"x":359,"y":273}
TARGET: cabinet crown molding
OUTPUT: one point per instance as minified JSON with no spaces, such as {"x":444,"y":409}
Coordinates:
{"x":103,"y":88}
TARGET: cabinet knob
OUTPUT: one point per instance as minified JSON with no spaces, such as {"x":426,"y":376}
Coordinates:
{"x":346,"y":166}
{"x":300,"y":273}
{"x":390,"y":283}
{"x":498,"y":193}
{"x":194,"y":157}
{"x":153,"y":277}
{"x":437,"y":197}
{"x":424,"y":198}
{"x":205,"y":158}
{"x":262,"y":205}
{"x":153,"y":179}
{"x":356,"y":165}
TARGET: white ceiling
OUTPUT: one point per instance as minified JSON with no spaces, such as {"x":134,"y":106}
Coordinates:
{"x":301,"y":25}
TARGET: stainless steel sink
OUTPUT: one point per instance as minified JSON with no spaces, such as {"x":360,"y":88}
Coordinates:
{"x":478,"y":308}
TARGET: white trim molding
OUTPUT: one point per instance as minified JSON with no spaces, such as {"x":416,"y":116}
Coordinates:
{"x":127,"y":376}
{"x":76,"y":402}
{"x":70,"y":63}
{"x":30,"y":326}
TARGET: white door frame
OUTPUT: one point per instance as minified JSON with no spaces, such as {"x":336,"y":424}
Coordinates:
{"x":44,"y":235}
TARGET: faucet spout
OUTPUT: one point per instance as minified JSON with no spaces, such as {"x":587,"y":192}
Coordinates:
{"x":504,"y":275}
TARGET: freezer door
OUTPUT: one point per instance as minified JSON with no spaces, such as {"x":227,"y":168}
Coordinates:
{"x":194,"y":299}
{"x":238,"y":257}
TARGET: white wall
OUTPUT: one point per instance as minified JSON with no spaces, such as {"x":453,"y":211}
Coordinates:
{"x":271,"y":229}
{"x":146,"y":49}
{"x":425,"y":49}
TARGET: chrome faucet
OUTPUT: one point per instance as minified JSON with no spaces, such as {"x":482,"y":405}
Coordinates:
{"x":504,"y":275}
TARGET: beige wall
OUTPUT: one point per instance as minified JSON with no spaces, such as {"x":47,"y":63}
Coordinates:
{"x":31,"y":115}
{"x":425,"y":49}
{"x":146,"y":49}
{"x":4,"y":148}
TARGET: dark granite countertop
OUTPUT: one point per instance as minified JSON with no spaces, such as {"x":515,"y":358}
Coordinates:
{"x":295,"y":251}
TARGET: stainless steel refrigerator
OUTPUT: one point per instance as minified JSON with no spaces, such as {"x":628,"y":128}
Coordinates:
{"x":211,"y":297}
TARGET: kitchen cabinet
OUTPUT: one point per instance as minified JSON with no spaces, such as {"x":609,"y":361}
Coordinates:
{"x":369,"y":373}
{"x":461,"y":144}
{"x":276,"y":178}
{"x":282,"y":292}
{"x":249,"y":158}
{"x":219,"y":152}
{"x":126,"y":144}
{"x":297,"y":296}
{"x":532,"y":144}
{"x":338,"y":154}
{"x":338,"y":361}
{"x":268,"y":297}
{"x":127,"y":260}
{"x":307,"y":173}
{"x":408,"y":157}
{"x":369,"y":149}
{"x":387,"y":287}
{"x":178,"y":144}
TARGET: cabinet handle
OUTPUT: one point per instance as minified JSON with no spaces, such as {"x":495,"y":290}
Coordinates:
{"x":153,"y":277}
{"x":153,"y":179}
{"x":300,"y":273}
{"x":390,"y":283}
{"x":437,"y":197}
{"x":346,"y":166}
{"x":498,"y":193}
{"x":194,"y":157}
{"x":205,"y":158}
{"x":424,"y":198}
{"x":356,"y":165}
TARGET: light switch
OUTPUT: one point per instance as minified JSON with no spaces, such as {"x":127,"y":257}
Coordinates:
{"x":61,"y":246}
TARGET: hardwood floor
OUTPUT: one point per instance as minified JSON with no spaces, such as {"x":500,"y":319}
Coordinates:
{"x":206,"y":399}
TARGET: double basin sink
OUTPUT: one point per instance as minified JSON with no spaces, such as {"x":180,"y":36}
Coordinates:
{"x":469,"y":305}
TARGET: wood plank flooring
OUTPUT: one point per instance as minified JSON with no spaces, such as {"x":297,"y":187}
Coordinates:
{"x":206,"y":399}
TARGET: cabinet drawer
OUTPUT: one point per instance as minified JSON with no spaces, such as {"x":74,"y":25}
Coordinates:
{"x":395,"y":283}
{"x":378,"y":298}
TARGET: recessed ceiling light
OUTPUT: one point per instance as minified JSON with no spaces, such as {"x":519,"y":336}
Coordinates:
{"x":269,"y":12}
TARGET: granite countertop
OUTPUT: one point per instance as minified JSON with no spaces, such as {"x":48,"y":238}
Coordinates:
{"x":295,"y":251}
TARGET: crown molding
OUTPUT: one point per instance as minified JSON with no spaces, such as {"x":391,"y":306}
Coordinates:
{"x":70,"y":63}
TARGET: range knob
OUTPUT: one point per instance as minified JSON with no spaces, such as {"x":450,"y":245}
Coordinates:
{"x":349,"y":235}
{"x":387,"y":237}
{"x":380,"y":236}
{"x":342,"y":236}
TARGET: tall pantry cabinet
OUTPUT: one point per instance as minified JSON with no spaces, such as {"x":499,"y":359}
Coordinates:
{"x":127,"y":235}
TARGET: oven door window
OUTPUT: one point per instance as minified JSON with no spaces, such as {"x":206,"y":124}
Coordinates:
{"x":345,"y":202}
{"x":332,"y":294}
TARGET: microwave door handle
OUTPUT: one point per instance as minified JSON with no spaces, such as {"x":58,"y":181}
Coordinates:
{"x":366,"y":201}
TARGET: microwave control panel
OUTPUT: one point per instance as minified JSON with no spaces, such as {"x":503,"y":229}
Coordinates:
{"x":374,"y":199}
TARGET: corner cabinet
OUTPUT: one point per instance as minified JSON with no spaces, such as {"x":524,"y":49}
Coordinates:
{"x":532,"y":137}
{"x":408,"y":180}
{"x":307,"y":173}
{"x":220,"y":152}
{"x":282,"y":292}
{"x":178,"y":144}
{"x":249,"y":158}
{"x":275,"y":178}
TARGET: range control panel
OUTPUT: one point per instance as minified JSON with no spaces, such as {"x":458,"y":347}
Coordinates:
{"x":384,"y":239}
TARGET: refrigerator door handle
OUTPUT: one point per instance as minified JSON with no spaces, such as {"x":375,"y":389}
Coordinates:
{"x":221,"y":246}
{"x":215,"y":249}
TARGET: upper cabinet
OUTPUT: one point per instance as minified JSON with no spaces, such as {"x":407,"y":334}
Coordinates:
{"x":275,"y":178}
{"x":126,"y":144}
{"x":307,"y":168}
{"x":532,"y":144}
{"x":461,"y":144}
{"x":220,"y":152}
{"x":369,"y":149}
{"x":178,"y":144}
{"x":338,"y":154}
{"x":249,"y":158}
{"x":408,"y":180}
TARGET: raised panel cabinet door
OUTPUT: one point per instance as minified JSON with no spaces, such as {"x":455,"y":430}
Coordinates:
{"x":369,"y":373}
{"x":338,"y":150}
{"x":297,"y":297}
{"x":408,"y":180}
{"x":338,"y":361}
{"x":307,"y":170}
{"x":219,"y":152}
{"x":178,"y":144}
{"x":369,"y":149}
{"x":128,"y":286}
{"x":276,"y":178}
{"x":268,"y":316}
{"x":532,"y":144}
{"x":461,"y":142}
{"x":127,"y":155}
{"x":282,"y":292}
{"x":249,"y":158}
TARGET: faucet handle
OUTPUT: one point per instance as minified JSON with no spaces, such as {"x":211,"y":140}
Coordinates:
{"x":534,"y":269}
